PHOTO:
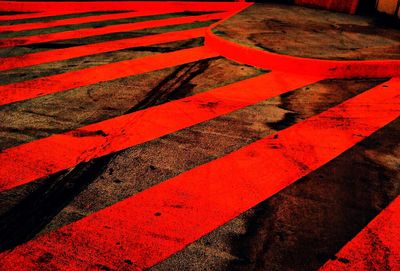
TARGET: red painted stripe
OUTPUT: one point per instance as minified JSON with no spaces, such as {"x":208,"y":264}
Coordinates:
{"x":82,"y":33}
{"x":60,"y":82}
{"x":81,"y":20}
{"x":117,"y":6}
{"x":376,"y":247}
{"x":71,"y":21}
{"x":96,"y":48}
{"x":286,"y":63}
{"x":47,"y":9}
{"x":25,"y":163}
{"x":35,"y":15}
{"x":22,"y":16}
{"x":152,"y":225}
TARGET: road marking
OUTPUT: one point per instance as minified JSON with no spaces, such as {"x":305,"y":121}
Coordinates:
{"x":39,"y":158}
{"x":96,"y":6}
{"x":150,"y":226}
{"x":79,"y":20}
{"x":89,"y":32}
{"x":380,"y":68}
{"x":96,"y":48}
{"x":38,"y":14}
{"x":64,"y":81}
{"x":376,"y":247}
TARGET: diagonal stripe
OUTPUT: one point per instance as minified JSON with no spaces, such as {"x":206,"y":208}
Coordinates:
{"x":376,"y":247}
{"x":82,"y":33}
{"x":80,"y":20}
{"x":141,"y":17}
{"x":60,"y":82}
{"x":96,"y":48}
{"x":36,"y":15}
{"x":42,"y":157}
{"x":144,"y":229}
{"x":95,"y":6}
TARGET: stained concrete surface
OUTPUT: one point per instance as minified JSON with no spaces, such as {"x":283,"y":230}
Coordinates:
{"x":312,"y":33}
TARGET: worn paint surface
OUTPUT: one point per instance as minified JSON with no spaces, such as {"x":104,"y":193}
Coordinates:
{"x":130,"y":139}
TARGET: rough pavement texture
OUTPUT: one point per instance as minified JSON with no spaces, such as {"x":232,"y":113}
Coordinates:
{"x":297,"y":229}
{"x":306,"y":32}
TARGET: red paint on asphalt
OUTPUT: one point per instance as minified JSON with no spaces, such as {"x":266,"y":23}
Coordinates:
{"x":82,"y":33}
{"x":27,"y":162}
{"x":72,"y":21}
{"x":376,"y":247}
{"x":60,"y":82}
{"x":79,"y":7}
{"x":150,"y":226}
{"x":96,"y":48}
{"x":35,"y":15}
{"x":327,"y":68}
